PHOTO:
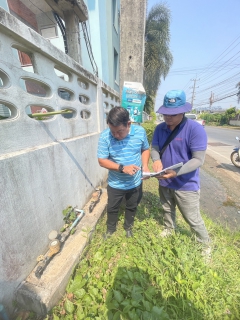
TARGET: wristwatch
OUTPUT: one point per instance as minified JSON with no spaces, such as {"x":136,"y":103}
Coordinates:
{"x":120,"y":168}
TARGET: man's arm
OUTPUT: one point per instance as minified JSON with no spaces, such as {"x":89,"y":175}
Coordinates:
{"x":110,"y":165}
{"x":157,"y":163}
{"x":195,"y":162}
{"x":145,"y":160}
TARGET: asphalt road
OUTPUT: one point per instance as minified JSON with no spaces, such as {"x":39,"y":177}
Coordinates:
{"x":220,"y":179}
{"x":221,"y":142}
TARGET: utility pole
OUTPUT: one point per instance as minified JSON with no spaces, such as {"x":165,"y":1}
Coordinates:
{"x":193,"y":92}
{"x":211,"y":99}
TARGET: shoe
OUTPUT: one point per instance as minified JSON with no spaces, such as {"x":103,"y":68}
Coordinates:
{"x":108,"y":234}
{"x":207,"y":254}
{"x":166,"y":233}
{"x":129,"y":233}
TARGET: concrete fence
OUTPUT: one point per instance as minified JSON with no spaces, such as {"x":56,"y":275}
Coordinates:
{"x":49,"y":163}
{"x":235,"y":123}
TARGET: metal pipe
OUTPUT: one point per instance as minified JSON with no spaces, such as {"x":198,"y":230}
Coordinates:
{"x":44,"y":114}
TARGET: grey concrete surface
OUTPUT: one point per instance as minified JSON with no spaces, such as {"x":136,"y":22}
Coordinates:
{"x":220,"y":182}
{"x":45,"y":165}
{"x":40,"y":295}
{"x":215,"y":202}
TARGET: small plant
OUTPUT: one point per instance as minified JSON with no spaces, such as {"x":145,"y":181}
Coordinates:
{"x":147,"y":277}
{"x":149,"y":126}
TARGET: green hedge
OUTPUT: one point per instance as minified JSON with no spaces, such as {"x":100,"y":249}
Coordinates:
{"x":149,"y":126}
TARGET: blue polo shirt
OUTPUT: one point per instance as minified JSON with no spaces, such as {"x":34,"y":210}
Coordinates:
{"x":127,"y":151}
{"x":191,"y":137}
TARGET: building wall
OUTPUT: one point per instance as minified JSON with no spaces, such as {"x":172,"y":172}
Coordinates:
{"x":133,"y":17}
{"x":104,"y":40}
{"x":113,"y":28}
{"x":22,"y":12}
{"x":45,"y":165}
{"x":104,"y":35}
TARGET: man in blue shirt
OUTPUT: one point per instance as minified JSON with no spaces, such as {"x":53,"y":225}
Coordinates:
{"x":180,"y":188}
{"x":123,"y":149}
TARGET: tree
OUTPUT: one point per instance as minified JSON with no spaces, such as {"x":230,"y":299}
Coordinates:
{"x":157,"y":57}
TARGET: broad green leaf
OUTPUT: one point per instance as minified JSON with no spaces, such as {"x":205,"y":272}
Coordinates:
{"x":80,"y":313}
{"x":113,"y":305}
{"x":117,"y":316}
{"x":126,"y":302}
{"x":124,"y":288}
{"x":127,"y":308}
{"x":69,"y":306}
{"x":136,"y":296}
{"x":151,"y":291}
{"x":87,"y":299}
{"x":100,"y":284}
{"x":135,"y":303}
{"x":109,"y":315}
{"x":147,"y":305}
{"x":137,"y":289}
{"x":55,"y":317}
{"x":68,"y":317}
{"x":132,"y":315}
{"x":93,"y":292}
{"x":75,"y":283}
{"x":79,"y":293}
{"x":118,"y":296}
{"x":158,"y":311}
{"x":98,"y":256}
{"x":82,"y":283}
{"x":146,"y":315}
{"x":195,"y":285}
{"x":130,"y":275}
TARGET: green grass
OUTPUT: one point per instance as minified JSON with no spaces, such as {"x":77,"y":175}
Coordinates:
{"x":147,"y":277}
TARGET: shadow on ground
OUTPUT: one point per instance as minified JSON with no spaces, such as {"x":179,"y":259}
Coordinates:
{"x":134,"y":296}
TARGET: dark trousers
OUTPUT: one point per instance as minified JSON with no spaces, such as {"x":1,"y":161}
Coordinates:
{"x":115,"y":197}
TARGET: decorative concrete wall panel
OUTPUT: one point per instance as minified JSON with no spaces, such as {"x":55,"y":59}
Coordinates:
{"x":46,"y":164}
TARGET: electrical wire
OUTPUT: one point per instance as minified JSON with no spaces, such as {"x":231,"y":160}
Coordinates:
{"x":63,"y":30}
{"x":89,"y":48}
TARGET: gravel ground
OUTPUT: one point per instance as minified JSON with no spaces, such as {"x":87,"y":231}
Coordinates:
{"x":220,"y":195}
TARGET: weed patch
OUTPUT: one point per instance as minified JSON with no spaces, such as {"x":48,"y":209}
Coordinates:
{"x":147,"y":277}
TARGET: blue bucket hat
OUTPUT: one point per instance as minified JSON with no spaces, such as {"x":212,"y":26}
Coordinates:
{"x":174,"y":102}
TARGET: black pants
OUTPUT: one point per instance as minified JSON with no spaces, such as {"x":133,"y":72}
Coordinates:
{"x":115,"y":197}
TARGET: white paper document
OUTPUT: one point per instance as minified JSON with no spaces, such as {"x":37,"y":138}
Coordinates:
{"x":162,"y":172}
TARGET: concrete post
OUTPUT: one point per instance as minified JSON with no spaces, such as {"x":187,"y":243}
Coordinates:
{"x":73,"y":35}
{"x":132,"y":26}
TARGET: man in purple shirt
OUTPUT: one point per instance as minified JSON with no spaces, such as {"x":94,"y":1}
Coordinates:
{"x":181,"y":187}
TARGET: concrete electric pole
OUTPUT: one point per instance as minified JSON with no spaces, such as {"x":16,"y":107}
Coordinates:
{"x":211,"y":99}
{"x":194,"y":87}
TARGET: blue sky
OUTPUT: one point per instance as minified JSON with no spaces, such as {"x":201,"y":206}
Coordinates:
{"x":205,"y":43}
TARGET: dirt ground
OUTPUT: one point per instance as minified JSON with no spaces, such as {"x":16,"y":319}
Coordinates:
{"x":220,"y":194}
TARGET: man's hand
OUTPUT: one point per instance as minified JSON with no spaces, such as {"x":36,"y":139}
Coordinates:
{"x":131,"y":169}
{"x":145,"y":169}
{"x":168,"y":175}
{"x":157,"y":166}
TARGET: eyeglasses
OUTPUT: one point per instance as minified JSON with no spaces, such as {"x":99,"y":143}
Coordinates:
{"x":170,"y":115}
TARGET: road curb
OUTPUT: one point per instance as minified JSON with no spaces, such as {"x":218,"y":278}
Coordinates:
{"x":41,"y":295}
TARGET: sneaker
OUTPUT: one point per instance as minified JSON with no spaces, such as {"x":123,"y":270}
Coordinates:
{"x":207,"y":254}
{"x":166,"y":233}
{"x":108,"y":234}
{"x":129,"y":233}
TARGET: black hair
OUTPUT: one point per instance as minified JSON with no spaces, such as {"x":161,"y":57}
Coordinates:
{"x":118,"y":116}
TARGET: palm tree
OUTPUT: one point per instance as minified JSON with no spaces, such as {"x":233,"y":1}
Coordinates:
{"x":157,"y":58}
